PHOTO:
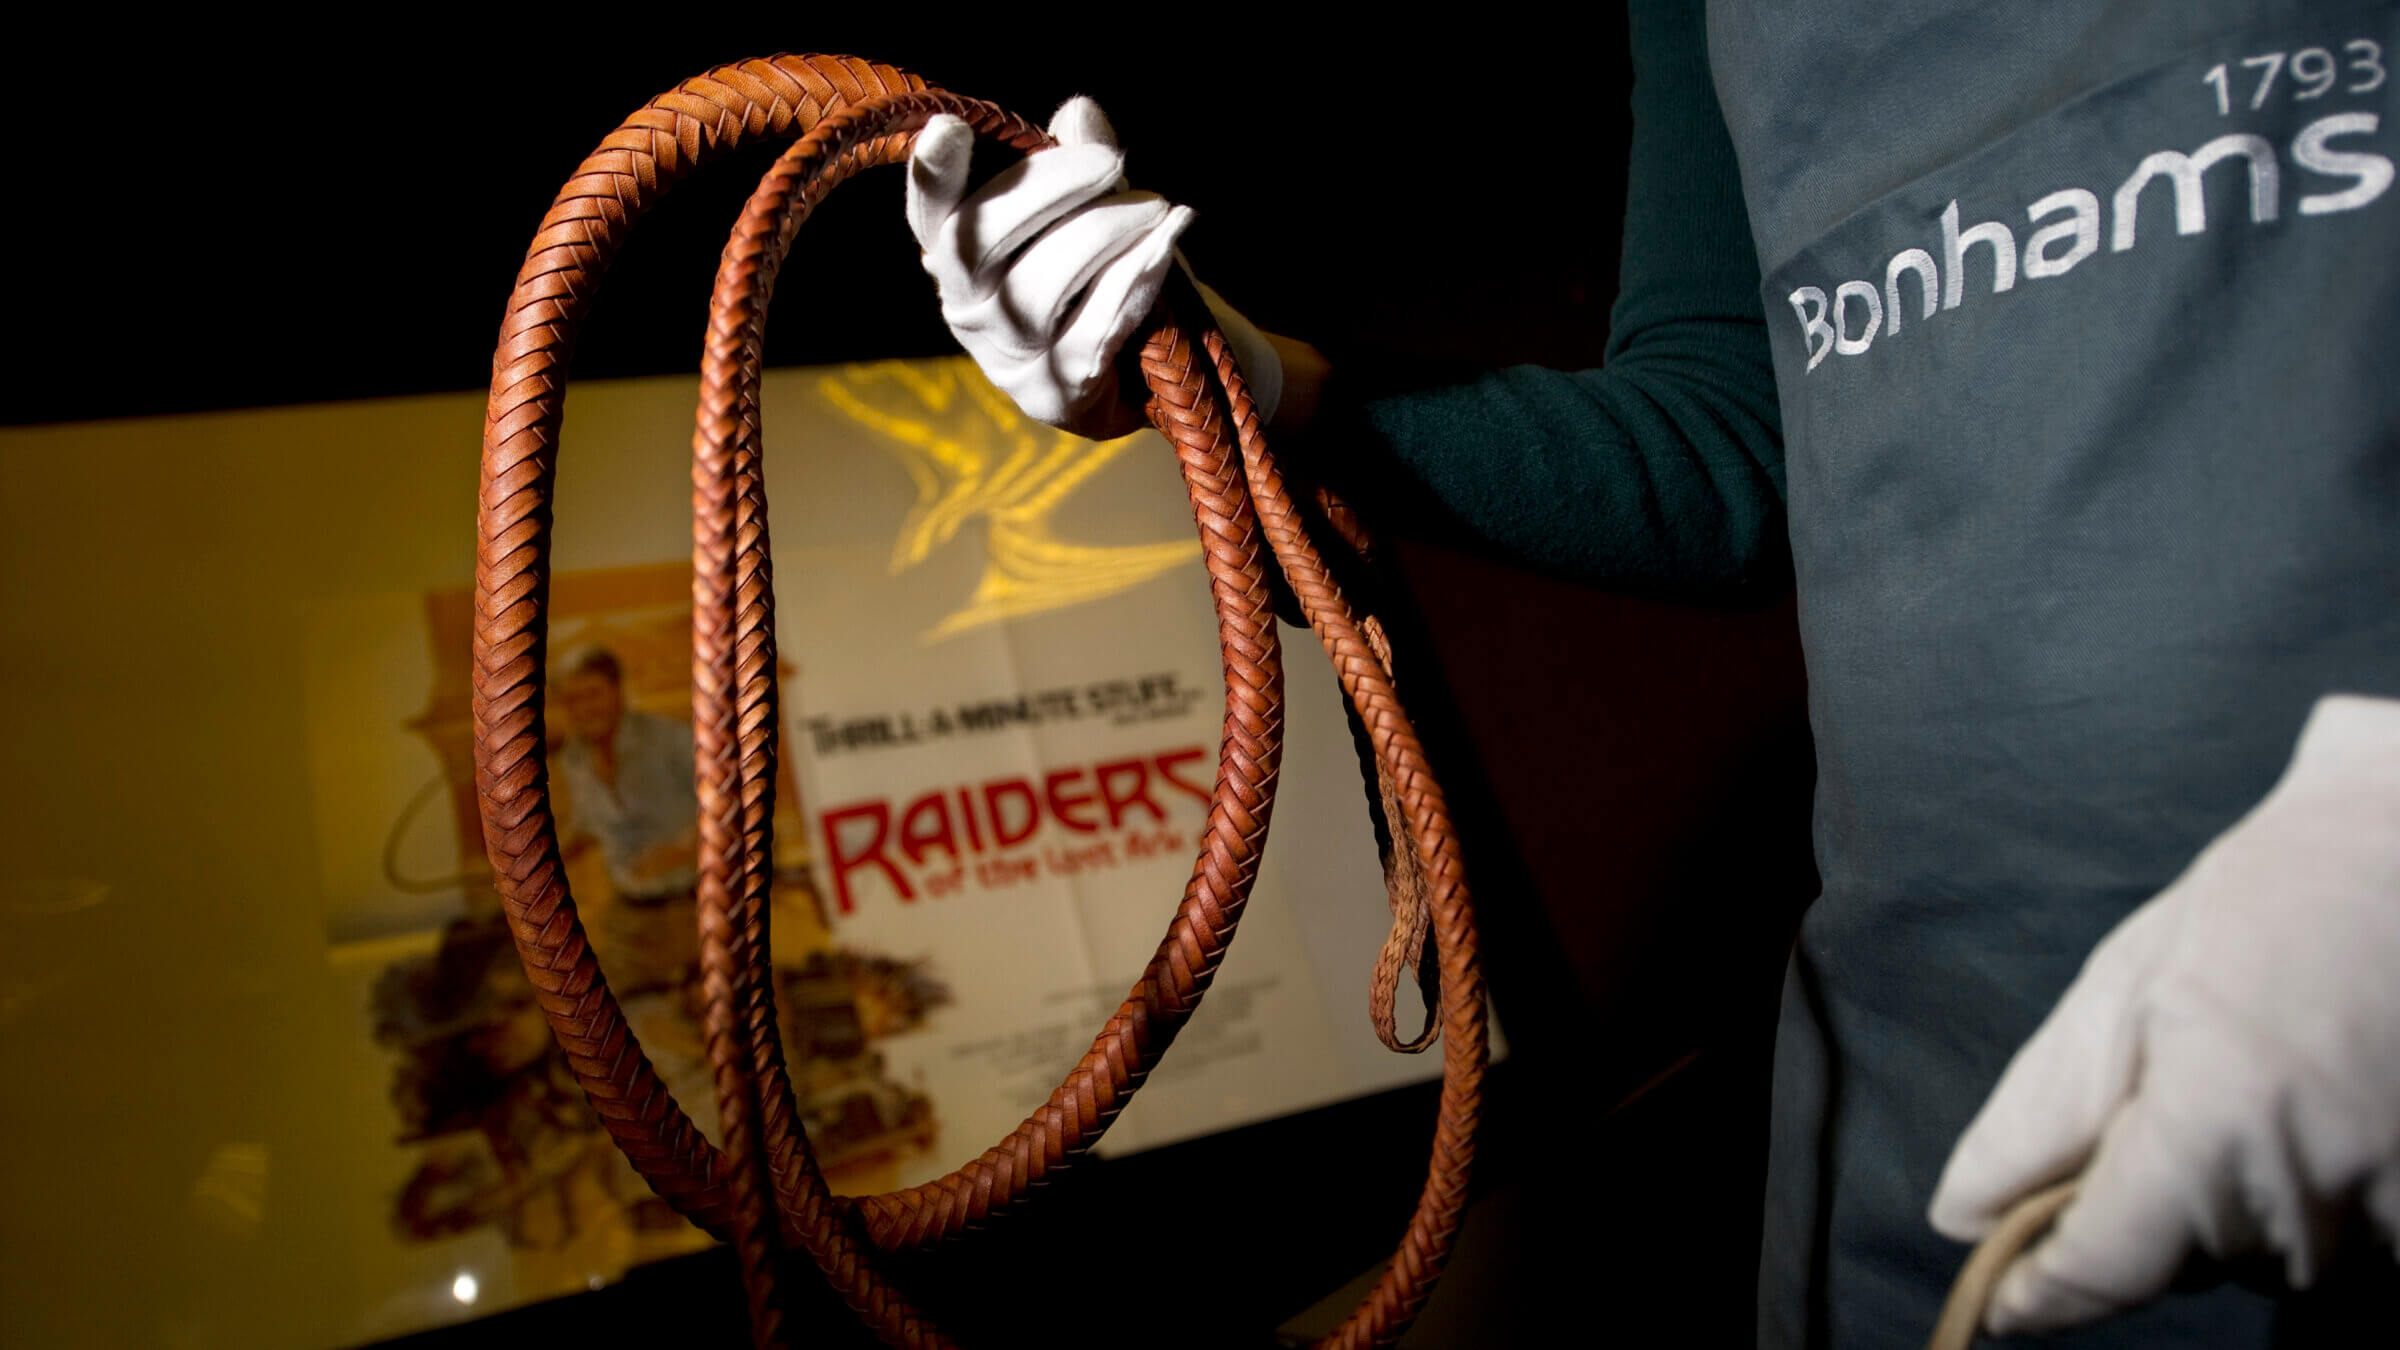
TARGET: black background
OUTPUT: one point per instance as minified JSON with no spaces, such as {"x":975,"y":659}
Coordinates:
{"x":231,"y":219}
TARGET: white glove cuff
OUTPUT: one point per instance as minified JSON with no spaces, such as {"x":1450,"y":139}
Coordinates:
{"x":1262,"y":369}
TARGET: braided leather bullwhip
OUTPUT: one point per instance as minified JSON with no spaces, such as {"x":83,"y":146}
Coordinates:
{"x":764,"y":1191}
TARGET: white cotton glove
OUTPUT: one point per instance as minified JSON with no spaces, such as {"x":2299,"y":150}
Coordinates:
{"x":1046,"y":270}
{"x":2225,"y":1071}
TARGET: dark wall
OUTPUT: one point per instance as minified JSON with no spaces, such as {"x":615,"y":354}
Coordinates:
{"x":233,"y":218}
{"x":248,"y":218}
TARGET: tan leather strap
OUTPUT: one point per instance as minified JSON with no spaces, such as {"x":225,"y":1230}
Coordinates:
{"x":1972,"y":1292}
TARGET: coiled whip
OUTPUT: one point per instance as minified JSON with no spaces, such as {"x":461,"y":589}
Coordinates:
{"x":763,"y":1191}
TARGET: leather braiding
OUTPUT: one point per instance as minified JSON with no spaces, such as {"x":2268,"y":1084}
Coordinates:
{"x":666,"y":139}
{"x":734,"y":733}
{"x":1404,"y":884}
{"x":1401,"y":1291}
{"x":1155,"y":1011}
{"x":765,"y":1189}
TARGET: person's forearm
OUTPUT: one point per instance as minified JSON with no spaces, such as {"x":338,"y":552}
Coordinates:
{"x":1659,"y":473}
{"x":1661,"y":470}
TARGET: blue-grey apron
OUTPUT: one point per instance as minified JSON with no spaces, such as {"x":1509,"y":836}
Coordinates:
{"x":2087,"y":335}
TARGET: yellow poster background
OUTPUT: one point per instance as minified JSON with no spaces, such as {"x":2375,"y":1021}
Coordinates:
{"x":237,"y":857}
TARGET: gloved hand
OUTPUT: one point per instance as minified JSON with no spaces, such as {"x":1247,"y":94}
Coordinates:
{"x":2225,"y":1071}
{"x":1046,"y":270}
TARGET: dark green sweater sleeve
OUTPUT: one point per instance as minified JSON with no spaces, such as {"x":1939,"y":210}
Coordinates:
{"x":1662,"y":470}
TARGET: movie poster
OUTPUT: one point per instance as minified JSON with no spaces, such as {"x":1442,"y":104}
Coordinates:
{"x":1001,"y":702}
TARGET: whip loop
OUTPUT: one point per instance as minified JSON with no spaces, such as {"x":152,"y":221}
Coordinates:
{"x":764,"y":1191}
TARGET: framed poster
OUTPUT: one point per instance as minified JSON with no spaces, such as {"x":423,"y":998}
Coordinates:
{"x":1000,"y":698}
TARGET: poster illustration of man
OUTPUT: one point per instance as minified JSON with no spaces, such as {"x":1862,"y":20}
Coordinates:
{"x":627,"y":774}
